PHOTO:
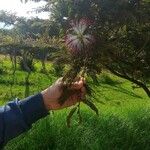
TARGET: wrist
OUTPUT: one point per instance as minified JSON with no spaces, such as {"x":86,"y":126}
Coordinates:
{"x":45,"y":99}
{"x":50,"y":101}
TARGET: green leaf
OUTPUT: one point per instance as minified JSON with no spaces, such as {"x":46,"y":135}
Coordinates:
{"x":70,"y":115}
{"x":91,"y":105}
{"x":88,"y":89}
{"x":79,"y":115}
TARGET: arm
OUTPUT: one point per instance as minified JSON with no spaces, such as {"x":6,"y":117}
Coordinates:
{"x":18,"y":116}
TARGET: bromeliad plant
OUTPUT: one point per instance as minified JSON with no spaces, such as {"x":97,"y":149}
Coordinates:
{"x":80,"y":43}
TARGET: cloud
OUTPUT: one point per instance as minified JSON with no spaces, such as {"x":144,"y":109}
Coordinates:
{"x":21,"y":9}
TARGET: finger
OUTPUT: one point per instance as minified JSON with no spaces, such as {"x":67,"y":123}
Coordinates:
{"x":59,"y":81}
{"x":83,"y":80}
{"x":72,"y":100}
{"x":77,"y":85}
{"x":77,"y":79}
{"x":83,"y":92}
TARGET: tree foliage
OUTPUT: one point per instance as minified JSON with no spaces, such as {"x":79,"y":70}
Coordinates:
{"x":122,"y":31}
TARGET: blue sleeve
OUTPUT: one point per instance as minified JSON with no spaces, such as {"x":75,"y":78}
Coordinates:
{"x":18,"y":116}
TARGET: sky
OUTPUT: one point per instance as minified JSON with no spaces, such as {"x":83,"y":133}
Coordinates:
{"x":22,"y":9}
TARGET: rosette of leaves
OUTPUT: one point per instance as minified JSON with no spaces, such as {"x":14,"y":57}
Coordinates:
{"x":80,"y":43}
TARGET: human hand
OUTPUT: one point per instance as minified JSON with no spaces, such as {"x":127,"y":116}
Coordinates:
{"x":52,"y":94}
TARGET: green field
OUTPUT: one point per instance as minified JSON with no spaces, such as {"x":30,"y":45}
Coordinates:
{"x":123,"y":123}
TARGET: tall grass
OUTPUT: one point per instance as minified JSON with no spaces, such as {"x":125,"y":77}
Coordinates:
{"x":116,"y":128}
{"x":123,"y":123}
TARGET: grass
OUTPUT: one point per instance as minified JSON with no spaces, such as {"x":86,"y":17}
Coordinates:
{"x":123,"y":123}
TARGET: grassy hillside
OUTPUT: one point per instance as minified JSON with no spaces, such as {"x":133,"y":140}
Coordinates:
{"x":123,"y":124}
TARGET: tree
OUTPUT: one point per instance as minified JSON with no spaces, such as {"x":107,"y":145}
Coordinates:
{"x":27,"y":40}
{"x":121,"y":29}
{"x":7,"y":18}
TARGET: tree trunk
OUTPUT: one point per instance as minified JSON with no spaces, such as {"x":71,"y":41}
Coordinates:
{"x":43,"y":66}
{"x":43,"y":60}
{"x":28,"y":70}
{"x":27,"y":85}
{"x":14,"y":64}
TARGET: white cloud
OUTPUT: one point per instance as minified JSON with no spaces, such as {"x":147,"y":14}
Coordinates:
{"x":22,"y":9}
